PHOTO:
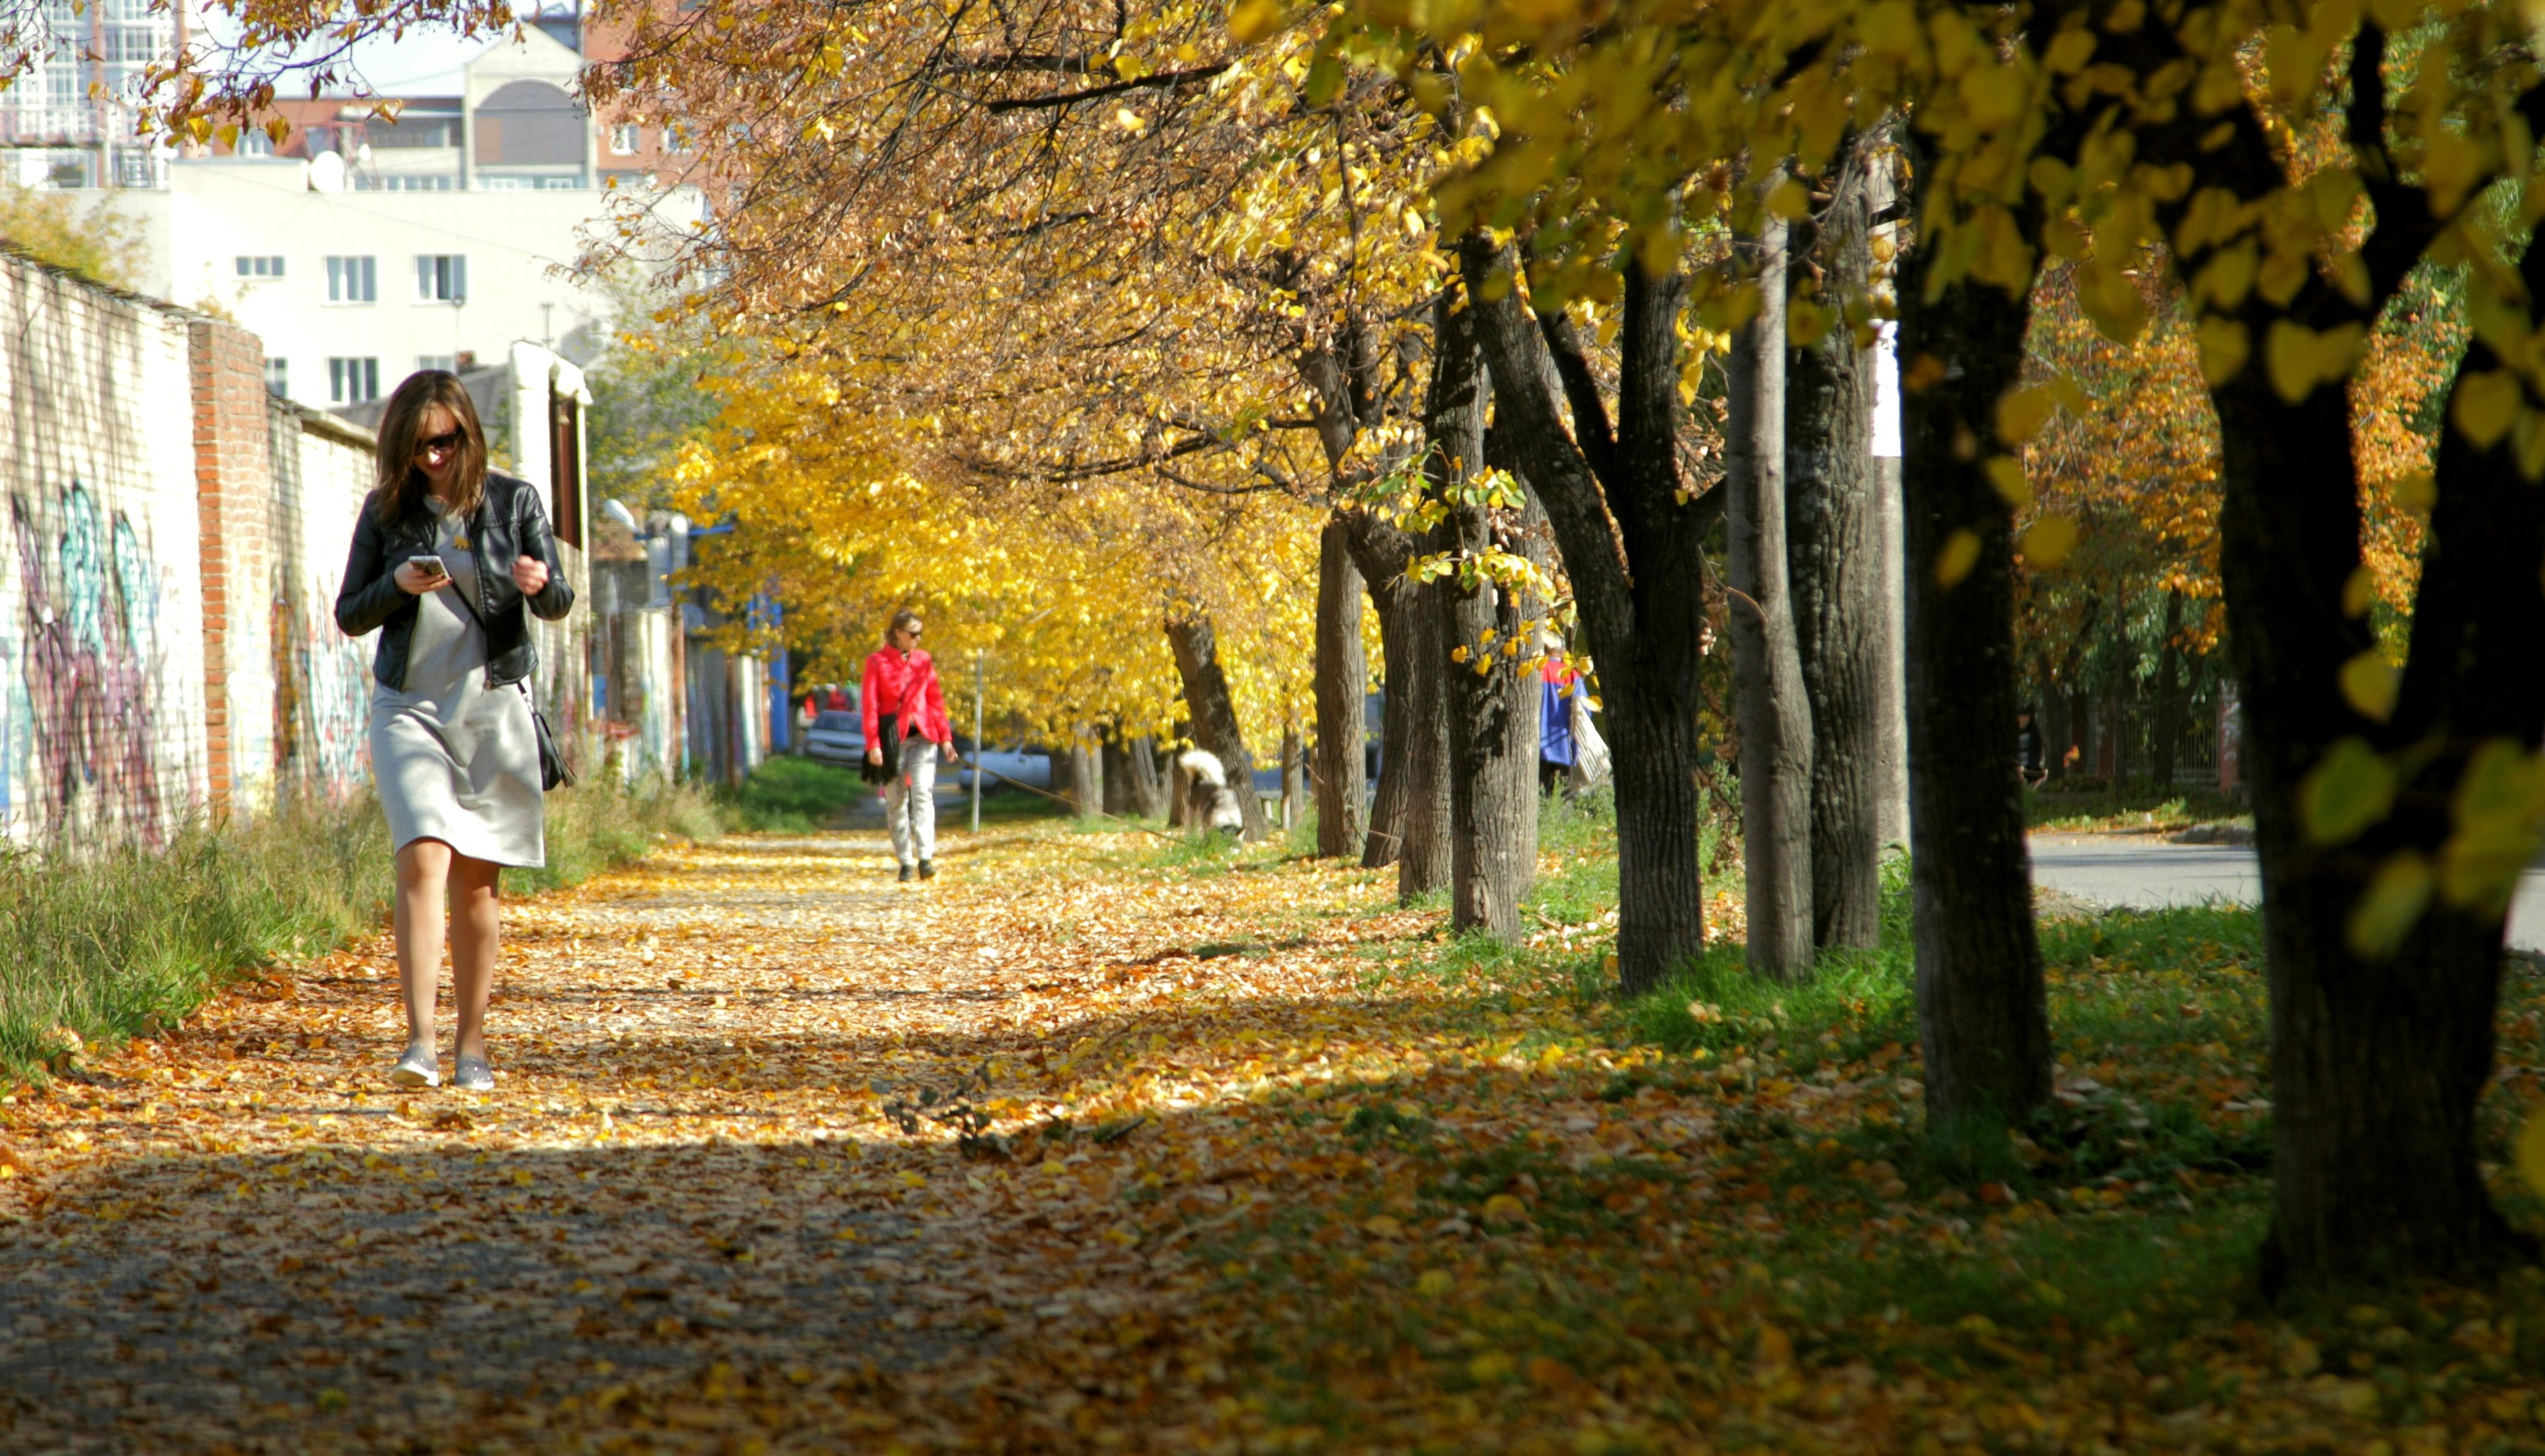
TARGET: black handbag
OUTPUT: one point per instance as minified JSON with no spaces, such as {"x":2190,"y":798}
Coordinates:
{"x":886,"y":743}
{"x":554,"y":771}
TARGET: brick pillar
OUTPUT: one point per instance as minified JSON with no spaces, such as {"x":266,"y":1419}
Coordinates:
{"x":233,"y":477}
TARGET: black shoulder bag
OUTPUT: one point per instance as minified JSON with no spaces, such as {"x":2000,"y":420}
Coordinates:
{"x":554,"y":771}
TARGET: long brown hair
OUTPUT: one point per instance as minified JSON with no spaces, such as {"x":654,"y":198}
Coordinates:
{"x":401,"y":486}
{"x":905,"y":618}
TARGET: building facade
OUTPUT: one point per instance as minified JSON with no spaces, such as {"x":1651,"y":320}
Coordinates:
{"x":384,"y":236}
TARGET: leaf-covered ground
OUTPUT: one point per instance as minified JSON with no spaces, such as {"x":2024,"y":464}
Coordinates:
{"x":1095,"y":1145}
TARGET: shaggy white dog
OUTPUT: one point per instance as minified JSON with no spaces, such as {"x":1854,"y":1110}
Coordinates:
{"x":1210,"y":802}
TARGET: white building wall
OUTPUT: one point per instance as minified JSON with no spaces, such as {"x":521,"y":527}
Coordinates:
{"x":519,"y":248}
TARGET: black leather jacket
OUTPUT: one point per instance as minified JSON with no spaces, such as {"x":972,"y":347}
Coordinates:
{"x":510,"y":522}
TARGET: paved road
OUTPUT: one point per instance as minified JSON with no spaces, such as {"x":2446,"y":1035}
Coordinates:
{"x":2146,"y":871}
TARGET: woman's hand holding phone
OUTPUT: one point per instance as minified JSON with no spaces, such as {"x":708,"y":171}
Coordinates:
{"x":420,"y":574}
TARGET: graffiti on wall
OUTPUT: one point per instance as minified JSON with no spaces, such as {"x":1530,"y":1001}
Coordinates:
{"x":78,"y":733}
{"x":323,"y":706}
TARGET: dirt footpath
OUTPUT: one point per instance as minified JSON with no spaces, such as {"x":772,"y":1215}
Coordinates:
{"x":688,"y":1214}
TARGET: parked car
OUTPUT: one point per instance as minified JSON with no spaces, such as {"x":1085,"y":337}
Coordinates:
{"x":1006,"y":768}
{"x":836,"y":738}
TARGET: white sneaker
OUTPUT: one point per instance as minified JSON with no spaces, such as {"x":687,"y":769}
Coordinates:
{"x":472,"y":1074}
{"x":417,"y":1068}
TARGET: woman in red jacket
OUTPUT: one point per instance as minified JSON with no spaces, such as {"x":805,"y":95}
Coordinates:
{"x":904,"y":706}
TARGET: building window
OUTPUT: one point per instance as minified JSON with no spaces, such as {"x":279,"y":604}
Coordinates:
{"x":556,"y":184}
{"x":623,"y":139}
{"x":352,"y":279}
{"x":676,"y":137}
{"x":352,"y":381}
{"x":260,"y":265}
{"x":278,"y":378}
{"x":254,"y":142}
{"x":448,"y":363}
{"x":441,"y":277}
{"x":502,"y":183}
{"x":405,"y":181}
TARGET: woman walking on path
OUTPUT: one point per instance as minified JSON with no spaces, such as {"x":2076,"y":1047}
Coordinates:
{"x":904,"y":706}
{"x":445,"y":558}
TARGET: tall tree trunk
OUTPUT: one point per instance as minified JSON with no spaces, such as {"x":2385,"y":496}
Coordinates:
{"x":1492,"y":705}
{"x":2168,"y":696}
{"x":1768,"y":703}
{"x":1409,"y":822}
{"x":1214,"y":712}
{"x":1834,"y":551}
{"x":1983,"y":1019}
{"x":1424,"y":850}
{"x":1293,"y":795}
{"x":1086,"y":773}
{"x":1342,"y":681}
{"x":2377,"y":1060}
{"x":1144,"y":791}
{"x":1114,"y":768}
{"x":1634,"y":550}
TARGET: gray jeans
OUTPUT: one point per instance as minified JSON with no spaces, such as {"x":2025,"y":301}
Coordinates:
{"x":910,"y":802}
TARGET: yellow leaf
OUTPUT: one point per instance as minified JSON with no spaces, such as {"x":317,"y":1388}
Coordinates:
{"x":2417,"y":492}
{"x":2048,"y":542}
{"x":2068,"y":53}
{"x":2391,"y":906}
{"x":2486,"y":406}
{"x":2292,"y":353}
{"x":1789,"y":199}
{"x":2224,"y":347}
{"x":1961,"y":552}
{"x":2348,"y":790}
{"x":2369,"y":683}
{"x":2358,"y":593}
{"x":1254,"y":20}
{"x":1502,"y":1208}
{"x":2532,"y":1151}
{"x":2006,"y":474}
{"x":2021,"y":414}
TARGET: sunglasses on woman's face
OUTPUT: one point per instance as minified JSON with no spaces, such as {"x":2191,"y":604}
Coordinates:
{"x":443,"y":444}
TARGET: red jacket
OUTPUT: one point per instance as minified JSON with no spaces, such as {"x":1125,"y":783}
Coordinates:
{"x":906,"y":687}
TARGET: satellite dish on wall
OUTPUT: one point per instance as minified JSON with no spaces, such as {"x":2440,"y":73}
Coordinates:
{"x":327,"y":172}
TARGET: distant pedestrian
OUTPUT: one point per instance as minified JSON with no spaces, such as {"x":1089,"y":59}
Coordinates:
{"x":904,"y":707}
{"x":2027,"y":748}
{"x":1557,"y":688}
{"x":447,"y":561}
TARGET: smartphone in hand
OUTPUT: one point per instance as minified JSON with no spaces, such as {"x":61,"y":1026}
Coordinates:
{"x":430,"y":565}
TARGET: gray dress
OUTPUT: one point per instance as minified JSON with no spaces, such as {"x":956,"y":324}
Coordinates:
{"x":456,"y":761}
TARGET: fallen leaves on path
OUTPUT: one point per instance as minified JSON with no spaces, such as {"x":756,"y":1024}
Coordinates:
{"x":1083,"y":1148}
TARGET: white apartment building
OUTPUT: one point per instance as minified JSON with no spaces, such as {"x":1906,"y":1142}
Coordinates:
{"x":435,"y":242}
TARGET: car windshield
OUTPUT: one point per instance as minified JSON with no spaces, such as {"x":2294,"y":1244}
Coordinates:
{"x":837,"y":722}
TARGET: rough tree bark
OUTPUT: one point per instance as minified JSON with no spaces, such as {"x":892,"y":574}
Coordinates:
{"x":1409,"y":819}
{"x":1143,"y":790}
{"x":1291,"y":795}
{"x":2168,"y":696}
{"x":1115,"y":769}
{"x":1342,"y":682}
{"x":1836,"y":565}
{"x":1491,"y":715}
{"x":1768,"y":700}
{"x":2377,"y":1061}
{"x":1633,"y":549}
{"x":1214,"y":712}
{"x":1983,"y":1019}
{"x":1409,"y":822}
{"x":1086,"y":773}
